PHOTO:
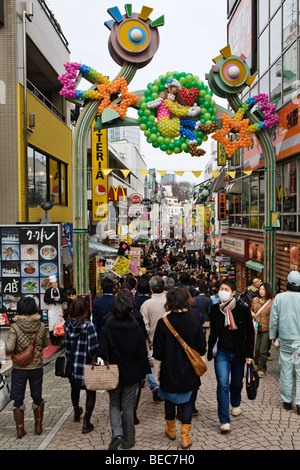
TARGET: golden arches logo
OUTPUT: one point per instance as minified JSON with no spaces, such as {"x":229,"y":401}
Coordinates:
{"x":117,"y":193}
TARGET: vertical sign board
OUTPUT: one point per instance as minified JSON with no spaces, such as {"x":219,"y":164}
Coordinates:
{"x":29,"y":254}
{"x":221,"y":155}
{"x":99,"y":178}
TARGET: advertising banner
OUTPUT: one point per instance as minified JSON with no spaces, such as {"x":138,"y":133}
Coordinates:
{"x":29,"y":254}
{"x":121,"y":266}
{"x":99,"y":178}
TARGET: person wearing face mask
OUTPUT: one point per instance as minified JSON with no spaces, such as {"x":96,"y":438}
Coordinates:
{"x":231,"y":345}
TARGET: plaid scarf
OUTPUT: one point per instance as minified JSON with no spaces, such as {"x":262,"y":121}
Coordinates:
{"x":226,"y":308}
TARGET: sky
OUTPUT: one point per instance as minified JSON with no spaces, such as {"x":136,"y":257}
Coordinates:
{"x":193,"y":34}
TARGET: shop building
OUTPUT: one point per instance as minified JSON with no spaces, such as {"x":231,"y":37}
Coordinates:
{"x":271,"y":46}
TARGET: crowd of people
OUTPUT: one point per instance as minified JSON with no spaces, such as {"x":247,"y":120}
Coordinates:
{"x":127,"y":326}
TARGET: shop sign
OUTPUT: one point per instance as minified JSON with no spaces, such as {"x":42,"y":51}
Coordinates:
{"x":99,"y":178}
{"x":136,"y":198}
{"x":29,"y":254}
{"x":235,"y":247}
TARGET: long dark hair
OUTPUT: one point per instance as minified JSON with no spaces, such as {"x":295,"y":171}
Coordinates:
{"x":80,"y":309}
{"x":177,"y":299}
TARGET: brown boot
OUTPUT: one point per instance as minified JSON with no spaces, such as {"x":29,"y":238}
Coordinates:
{"x":185,"y":436}
{"x":19,"y":419}
{"x":38,"y":418}
{"x":170,"y":429}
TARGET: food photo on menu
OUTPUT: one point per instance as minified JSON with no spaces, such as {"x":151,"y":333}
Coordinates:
{"x":10,"y":252}
{"x":29,"y":252}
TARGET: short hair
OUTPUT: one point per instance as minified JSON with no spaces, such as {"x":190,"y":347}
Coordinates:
{"x":185,"y":278}
{"x":156,"y":284}
{"x":107,"y":285}
{"x":123,"y":305}
{"x":169,"y":283}
{"x":143,"y":286}
{"x":178,"y":298}
{"x":26,"y":306}
{"x":71,"y":291}
{"x":228,"y":282}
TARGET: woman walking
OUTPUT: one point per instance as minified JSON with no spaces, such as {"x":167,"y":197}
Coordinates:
{"x":231,"y":344}
{"x":261,"y":310}
{"x":173,"y":370}
{"x":21,"y":334}
{"x":122,"y":342}
{"x":81,"y":341}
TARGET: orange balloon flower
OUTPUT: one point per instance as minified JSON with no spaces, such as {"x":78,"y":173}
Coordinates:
{"x":229,"y":124}
{"x":118,"y":87}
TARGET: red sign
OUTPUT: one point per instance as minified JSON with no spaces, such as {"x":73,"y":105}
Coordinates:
{"x":136,"y":198}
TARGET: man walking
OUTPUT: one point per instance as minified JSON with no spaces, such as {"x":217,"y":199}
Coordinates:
{"x":152,"y":310}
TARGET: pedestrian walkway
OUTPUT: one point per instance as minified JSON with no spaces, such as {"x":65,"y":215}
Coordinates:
{"x":263,"y":424}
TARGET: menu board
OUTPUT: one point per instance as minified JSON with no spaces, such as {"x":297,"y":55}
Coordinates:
{"x":29,"y":254}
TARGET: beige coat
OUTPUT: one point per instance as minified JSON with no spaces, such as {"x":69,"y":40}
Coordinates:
{"x":21,"y":334}
{"x":263,"y":318}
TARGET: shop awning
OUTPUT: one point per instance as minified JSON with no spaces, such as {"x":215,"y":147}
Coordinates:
{"x":254,"y":265}
{"x":103,"y":250}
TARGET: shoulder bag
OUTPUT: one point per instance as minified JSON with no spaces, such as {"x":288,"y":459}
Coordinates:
{"x":25,"y":358}
{"x":64,"y":365}
{"x":101,"y":376}
{"x":194,"y":357}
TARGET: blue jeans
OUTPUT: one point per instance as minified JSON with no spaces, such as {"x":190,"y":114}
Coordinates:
{"x":228,"y":391}
{"x":152,"y":384}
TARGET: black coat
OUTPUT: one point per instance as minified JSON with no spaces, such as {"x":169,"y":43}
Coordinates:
{"x":50,"y":300}
{"x":177,"y":374}
{"x":243,"y":336}
{"x":122,"y":341}
{"x":101,"y":307}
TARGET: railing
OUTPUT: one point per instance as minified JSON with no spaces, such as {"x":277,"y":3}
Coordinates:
{"x":54,"y":23}
{"x":39,"y":95}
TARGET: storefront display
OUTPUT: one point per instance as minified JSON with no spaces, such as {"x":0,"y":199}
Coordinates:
{"x":29,"y":254}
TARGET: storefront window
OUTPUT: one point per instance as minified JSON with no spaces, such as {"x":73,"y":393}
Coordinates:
{"x":261,"y":194}
{"x":289,"y":72}
{"x":254,"y":194}
{"x":264,"y":51}
{"x":289,"y":22}
{"x":40,"y":174}
{"x":278,"y":194}
{"x":289,"y":223}
{"x":245,"y":195}
{"x":275,"y":82}
{"x":30,"y":169}
{"x":54,"y":179}
{"x":254,"y":222}
{"x":289,"y":194}
{"x":275,"y":37}
{"x":245,"y":221}
{"x":263,"y":13}
{"x":63,"y":185}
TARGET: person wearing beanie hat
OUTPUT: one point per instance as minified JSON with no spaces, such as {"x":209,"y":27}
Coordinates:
{"x":285,"y":323}
{"x":54,"y":296}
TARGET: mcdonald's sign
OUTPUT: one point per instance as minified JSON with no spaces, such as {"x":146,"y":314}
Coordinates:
{"x":99,"y":179}
{"x":117,"y":193}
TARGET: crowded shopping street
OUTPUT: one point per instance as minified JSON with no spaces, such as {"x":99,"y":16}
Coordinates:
{"x":259,"y":422}
{"x":149,"y":228}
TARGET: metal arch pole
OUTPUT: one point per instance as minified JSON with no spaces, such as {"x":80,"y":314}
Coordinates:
{"x":270,"y":194}
{"x":79,"y":158}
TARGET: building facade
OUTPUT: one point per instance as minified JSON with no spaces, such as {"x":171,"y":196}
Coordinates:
{"x":271,"y":46}
{"x":35,"y":121}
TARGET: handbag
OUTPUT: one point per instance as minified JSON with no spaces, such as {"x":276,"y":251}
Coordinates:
{"x":101,"y":376}
{"x":194,"y":357}
{"x":64,"y":365}
{"x":4,"y":392}
{"x":26,"y":357}
{"x":252,"y":382}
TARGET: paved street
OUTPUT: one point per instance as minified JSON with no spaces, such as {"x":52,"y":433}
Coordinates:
{"x":263,"y":424}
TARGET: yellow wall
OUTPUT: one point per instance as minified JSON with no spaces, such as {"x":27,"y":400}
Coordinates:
{"x":54,"y":138}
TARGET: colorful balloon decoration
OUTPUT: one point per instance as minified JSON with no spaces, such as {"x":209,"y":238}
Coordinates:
{"x":205,"y":193}
{"x":177,"y":112}
{"x":240,"y":125}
